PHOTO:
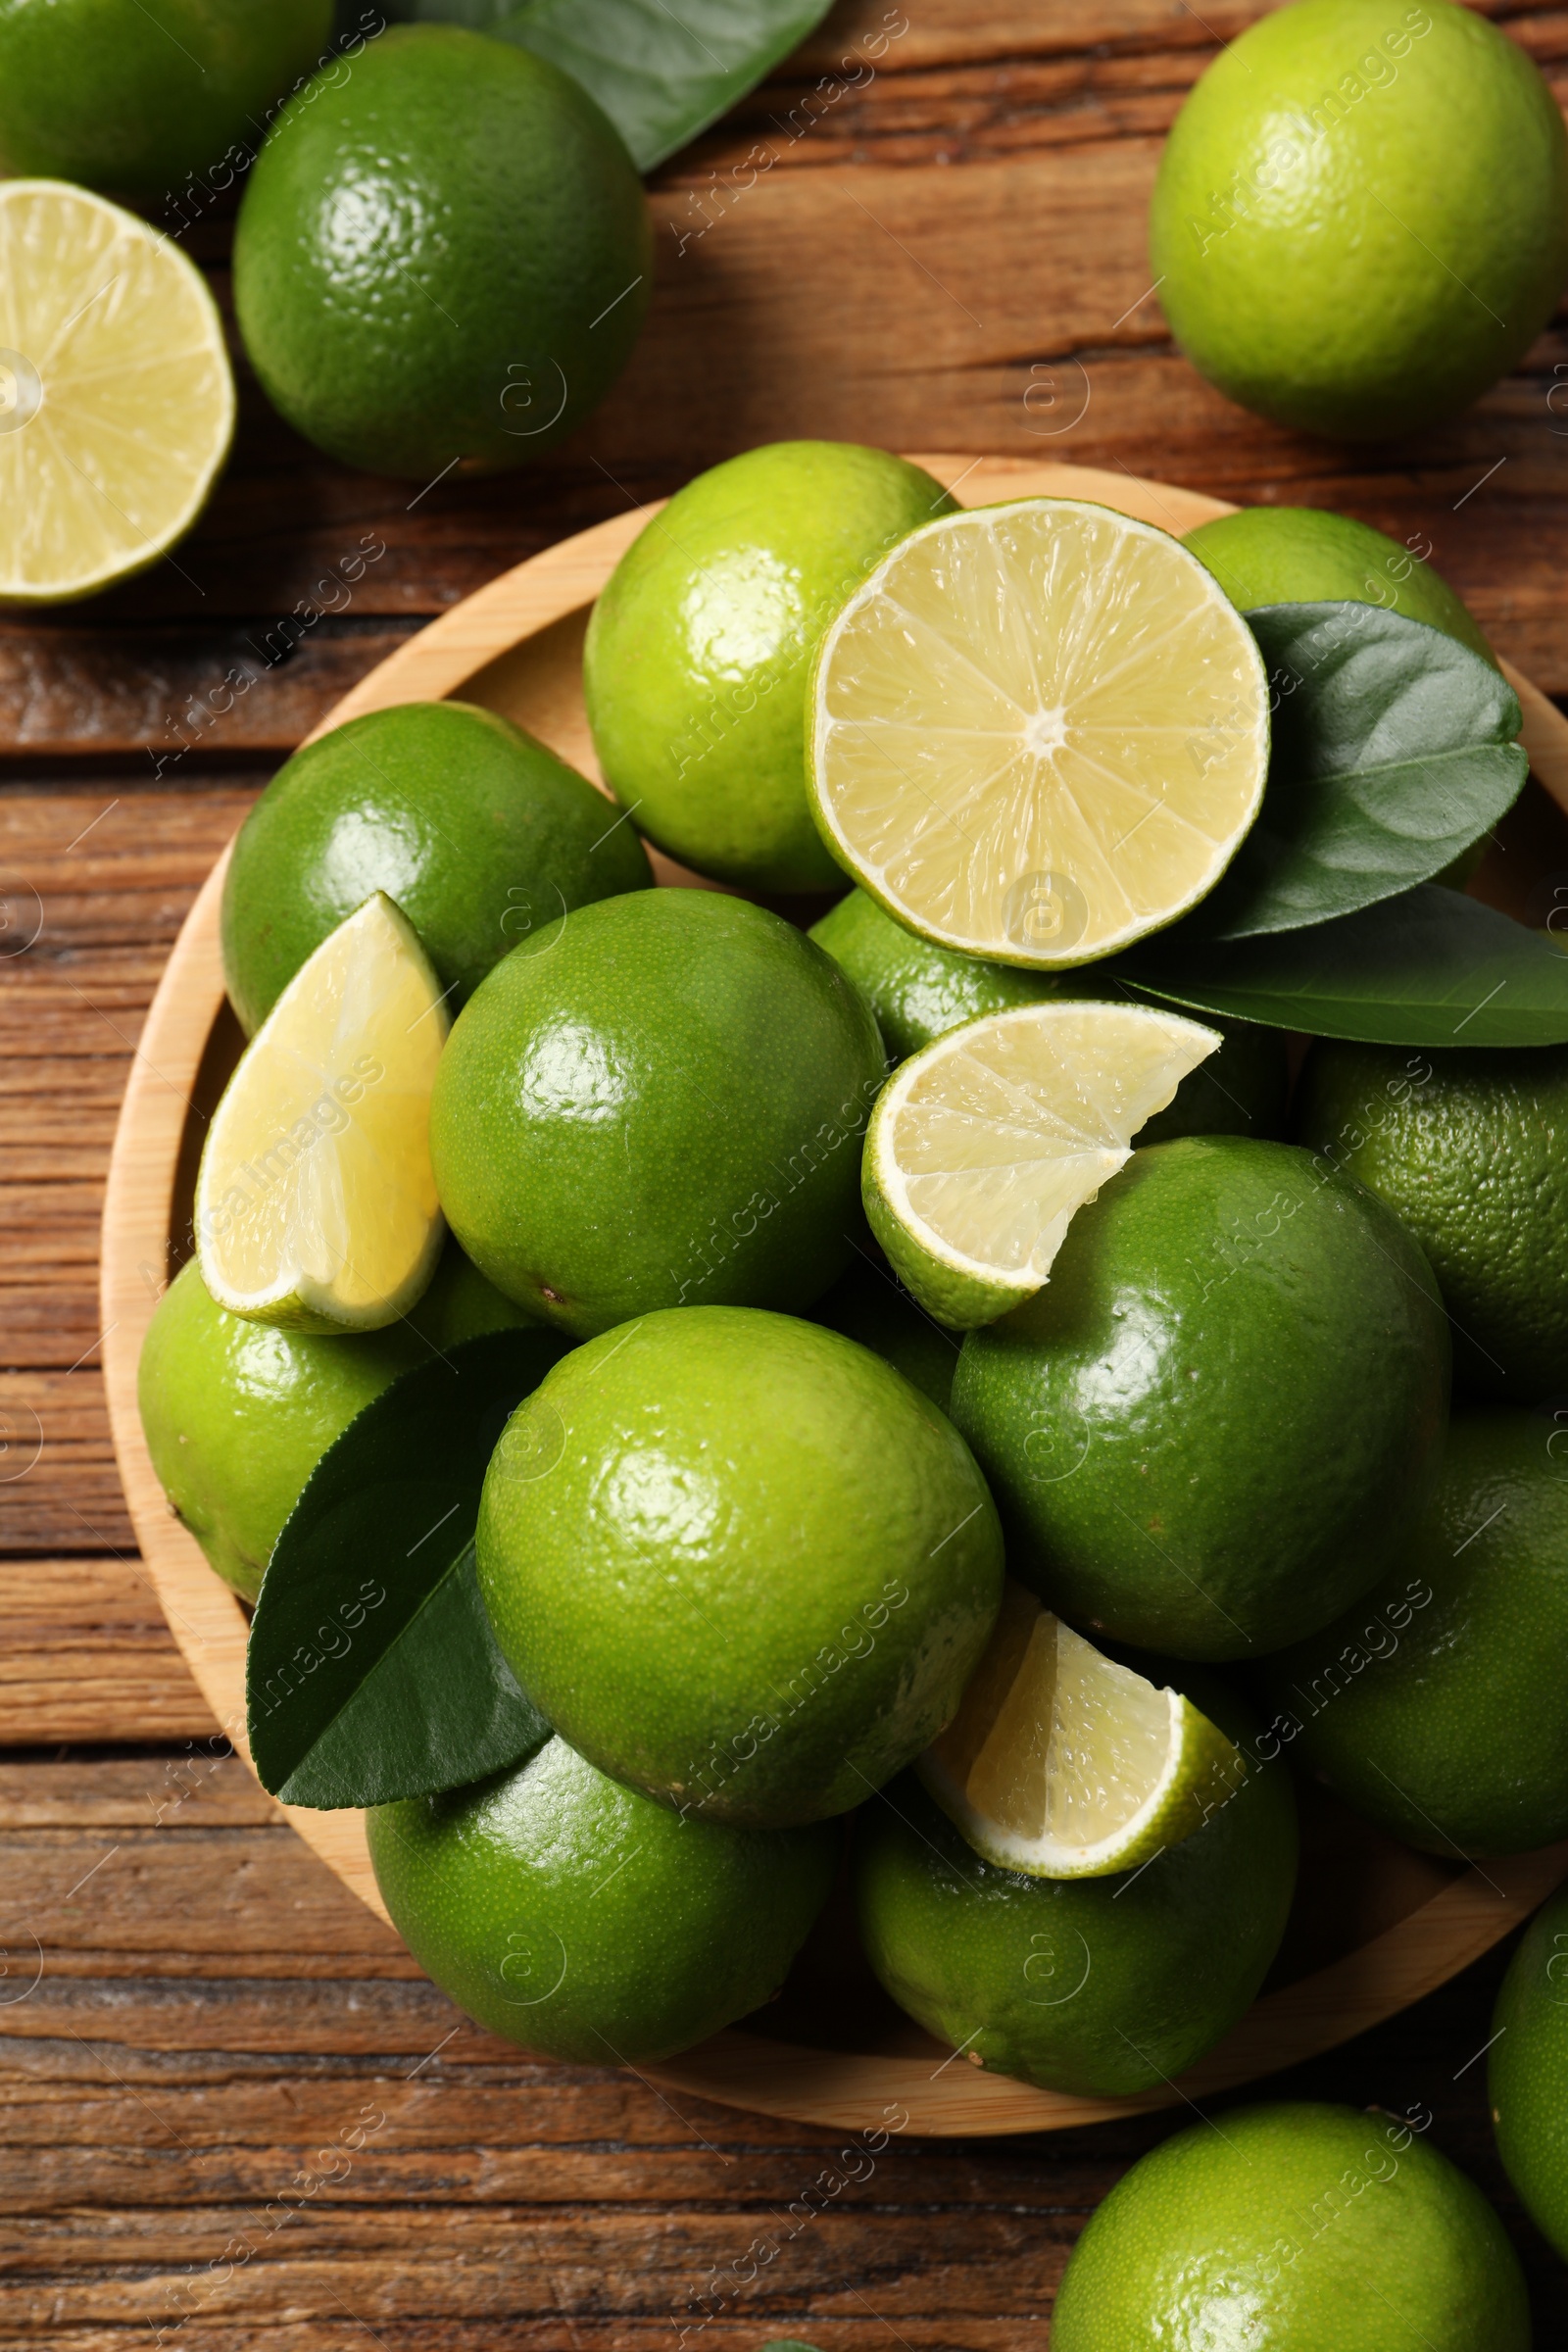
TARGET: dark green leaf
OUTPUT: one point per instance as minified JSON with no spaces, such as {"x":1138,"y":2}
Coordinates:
{"x":373,"y":1672}
{"x":1393,"y":753}
{"x":1430,"y":968}
{"x":663,"y":75}
{"x":660,"y":73}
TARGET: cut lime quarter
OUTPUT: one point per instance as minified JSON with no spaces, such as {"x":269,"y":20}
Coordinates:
{"x":1038,"y":731}
{"x":316,"y":1204}
{"x":117,"y":403}
{"x":1063,"y":1764}
{"x":983,"y":1147}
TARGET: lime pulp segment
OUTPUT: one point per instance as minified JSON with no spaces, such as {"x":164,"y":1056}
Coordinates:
{"x":1038,"y":731}
{"x":117,"y":404}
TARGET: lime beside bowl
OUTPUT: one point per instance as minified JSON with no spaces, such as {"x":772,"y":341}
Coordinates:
{"x":1360,"y":219}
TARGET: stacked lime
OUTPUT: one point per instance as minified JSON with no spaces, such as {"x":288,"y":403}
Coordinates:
{"x":1434,"y":1706}
{"x":1106,"y":1982}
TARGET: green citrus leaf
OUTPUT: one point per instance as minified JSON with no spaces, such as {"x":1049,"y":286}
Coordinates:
{"x":663,"y":75}
{"x":372,"y":1673}
{"x":1428,"y":969}
{"x":1393,"y":753}
{"x":660,"y":73}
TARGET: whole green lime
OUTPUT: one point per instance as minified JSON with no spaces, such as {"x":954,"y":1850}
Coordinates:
{"x":1227,"y":1404}
{"x":1294,"y":2229}
{"x":1305,"y":555}
{"x":237,"y":1414}
{"x":658,"y":1102}
{"x":918,"y":990}
{"x":1101,"y":1986}
{"x":481,"y":835}
{"x":739,"y":1562}
{"x":442,"y":255}
{"x":698,"y":651}
{"x":1470,"y":1150}
{"x":1439,"y":1706}
{"x":869,"y":1305}
{"x":136,"y":99}
{"x":577,"y":1918}
{"x":1361,"y":214}
{"x":1529,"y":2071}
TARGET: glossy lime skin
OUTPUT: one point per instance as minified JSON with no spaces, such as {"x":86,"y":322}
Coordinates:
{"x":1470,"y":1150}
{"x":918,"y":990}
{"x":442,"y":255}
{"x":739,"y":1562}
{"x":237,"y":1414}
{"x":1091,"y":1986}
{"x":479,"y":834}
{"x":136,"y":100}
{"x":1529,"y":2071}
{"x":581,"y":1920}
{"x":1361,"y":214}
{"x":1305,"y":555}
{"x":1228,"y":1403}
{"x":1294,"y":2229}
{"x":659,"y":1102}
{"x":1439,"y":1706}
{"x":868,"y":1303}
{"x":700,"y":647}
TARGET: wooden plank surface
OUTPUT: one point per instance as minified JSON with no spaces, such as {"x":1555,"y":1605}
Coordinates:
{"x":927,"y":232}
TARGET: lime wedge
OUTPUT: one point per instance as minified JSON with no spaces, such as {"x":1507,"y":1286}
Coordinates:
{"x":1038,"y":731}
{"x":1064,"y":1765}
{"x":117,"y":404}
{"x":315,"y":1206}
{"x":983,"y":1146}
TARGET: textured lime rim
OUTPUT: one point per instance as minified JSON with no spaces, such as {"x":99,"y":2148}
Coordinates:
{"x":886,"y":1175}
{"x":1197,"y":1753}
{"x":884,"y":1172}
{"x":817,"y":721}
{"x":19,"y":596}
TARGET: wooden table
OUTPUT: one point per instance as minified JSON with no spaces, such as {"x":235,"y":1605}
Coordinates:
{"x":206,"y":2046}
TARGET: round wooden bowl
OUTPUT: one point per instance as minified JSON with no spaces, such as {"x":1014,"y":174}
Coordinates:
{"x":1375,"y":1925}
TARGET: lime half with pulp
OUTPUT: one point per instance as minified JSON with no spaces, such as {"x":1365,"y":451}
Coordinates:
{"x":1038,"y":731}
{"x":117,"y":404}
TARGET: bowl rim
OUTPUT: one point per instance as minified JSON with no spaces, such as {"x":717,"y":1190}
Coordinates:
{"x":921,"y":2090}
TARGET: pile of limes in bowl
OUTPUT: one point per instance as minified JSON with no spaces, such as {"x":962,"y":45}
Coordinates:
{"x":945,"y":1410}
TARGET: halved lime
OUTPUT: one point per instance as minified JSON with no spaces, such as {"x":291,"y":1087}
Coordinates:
{"x":315,"y":1206}
{"x":1062,"y":1764}
{"x":117,"y":404}
{"x":983,"y":1147}
{"x":1038,"y":731}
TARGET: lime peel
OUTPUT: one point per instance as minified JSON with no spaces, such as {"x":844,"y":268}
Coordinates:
{"x":1063,"y":1764}
{"x":984,"y":1146}
{"x":315,"y":1203}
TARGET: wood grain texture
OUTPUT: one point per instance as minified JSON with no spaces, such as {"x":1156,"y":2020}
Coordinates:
{"x":196,"y":2022}
{"x":540,"y":2206}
